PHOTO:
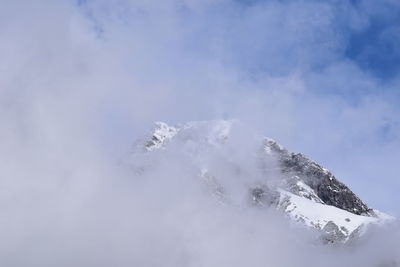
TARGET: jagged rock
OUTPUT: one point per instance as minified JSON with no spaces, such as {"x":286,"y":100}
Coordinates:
{"x":326,"y":186}
{"x":296,"y":186}
{"x":161,"y":134}
{"x":289,"y":182}
{"x":332,"y":234}
{"x":355,"y":235}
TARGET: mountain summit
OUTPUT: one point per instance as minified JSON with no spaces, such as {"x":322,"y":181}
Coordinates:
{"x":238,"y":166}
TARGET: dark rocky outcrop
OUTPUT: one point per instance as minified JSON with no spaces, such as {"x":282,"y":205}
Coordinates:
{"x":326,"y":186}
{"x":332,"y":234}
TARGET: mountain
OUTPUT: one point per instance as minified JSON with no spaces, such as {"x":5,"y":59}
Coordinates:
{"x":225,"y":152}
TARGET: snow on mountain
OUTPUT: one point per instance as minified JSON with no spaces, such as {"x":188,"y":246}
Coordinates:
{"x":338,"y":223}
{"x":290,"y":182}
{"x":162,"y":133}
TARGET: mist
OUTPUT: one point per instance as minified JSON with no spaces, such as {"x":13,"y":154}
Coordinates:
{"x":82,"y":81}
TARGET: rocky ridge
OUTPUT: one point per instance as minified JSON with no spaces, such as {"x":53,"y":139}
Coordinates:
{"x":306,"y":192}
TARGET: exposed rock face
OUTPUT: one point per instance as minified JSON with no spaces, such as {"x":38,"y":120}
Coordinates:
{"x":332,"y":233}
{"x":297,"y":186}
{"x":289,"y":182}
{"x":325,"y":185}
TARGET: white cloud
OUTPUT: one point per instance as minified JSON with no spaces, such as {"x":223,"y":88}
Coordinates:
{"x":78,"y":84}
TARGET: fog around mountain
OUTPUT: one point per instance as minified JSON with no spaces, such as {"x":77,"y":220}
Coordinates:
{"x":151,"y":209}
{"x":82,"y":81}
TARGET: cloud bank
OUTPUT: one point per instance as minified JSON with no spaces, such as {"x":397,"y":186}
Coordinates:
{"x":80,"y":81}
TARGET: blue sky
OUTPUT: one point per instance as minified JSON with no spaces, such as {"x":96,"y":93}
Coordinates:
{"x":372,"y":46}
{"x":375,"y":48}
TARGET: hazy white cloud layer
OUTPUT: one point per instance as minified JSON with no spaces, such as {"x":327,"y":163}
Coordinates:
{"x":81,"y":81}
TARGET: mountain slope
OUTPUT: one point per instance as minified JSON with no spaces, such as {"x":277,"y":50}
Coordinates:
{"x":226,"y":152}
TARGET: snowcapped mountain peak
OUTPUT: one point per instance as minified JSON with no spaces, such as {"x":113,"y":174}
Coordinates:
{"x":161,"y":134}
{"x":271,"y":176}
{"x":212,"y":132}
